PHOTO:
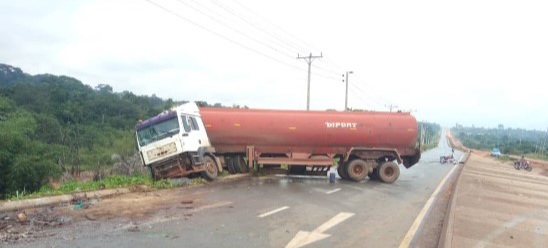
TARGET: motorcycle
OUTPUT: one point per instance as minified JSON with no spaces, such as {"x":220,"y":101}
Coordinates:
{"x":522,"y":165}
{"x":448,"y":159}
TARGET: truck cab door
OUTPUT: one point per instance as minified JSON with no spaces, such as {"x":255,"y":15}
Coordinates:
{"x":193,"y":134}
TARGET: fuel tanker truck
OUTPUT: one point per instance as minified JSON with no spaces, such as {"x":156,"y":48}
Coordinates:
{"x":187,"y":139}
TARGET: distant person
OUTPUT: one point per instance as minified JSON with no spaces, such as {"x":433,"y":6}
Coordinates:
{"x":522,"y":161}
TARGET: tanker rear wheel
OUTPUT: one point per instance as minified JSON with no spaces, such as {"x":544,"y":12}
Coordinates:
{"x":241,"y":164}
{"x":389,"y":172}
{"x":211,"y":170}
{"x":236,"y":165}
{"x":357,"y":170}
{"x":230,"y":165}
{"x":341,"y":170}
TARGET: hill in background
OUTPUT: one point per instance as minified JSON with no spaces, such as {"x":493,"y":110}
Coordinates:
{"x":53,"y":124}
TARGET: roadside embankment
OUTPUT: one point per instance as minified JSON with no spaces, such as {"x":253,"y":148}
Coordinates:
{"x":52,"y":200}
{"x":495,"y":205}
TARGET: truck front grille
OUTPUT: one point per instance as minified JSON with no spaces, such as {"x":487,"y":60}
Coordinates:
{"x":162,"y":151}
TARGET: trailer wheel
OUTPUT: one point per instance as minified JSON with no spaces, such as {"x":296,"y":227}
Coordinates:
{"x":240,"y":162}
{"x":211,"y":170}
{"x":389,"y":172}
{"x":230,"y":165}
{"x":341,"y":170}
{"x":236,"y":165}
{"x":357,"y":170}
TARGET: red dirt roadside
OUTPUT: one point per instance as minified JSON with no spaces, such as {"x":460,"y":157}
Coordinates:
{"x":498,"y":206}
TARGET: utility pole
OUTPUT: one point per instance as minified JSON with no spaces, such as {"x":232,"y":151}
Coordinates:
{"x":346,"y":94}
{"x":391,"y":106}
{"x":308,"y":60}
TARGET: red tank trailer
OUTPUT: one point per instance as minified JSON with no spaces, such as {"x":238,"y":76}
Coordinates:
{"x":365,"y":143}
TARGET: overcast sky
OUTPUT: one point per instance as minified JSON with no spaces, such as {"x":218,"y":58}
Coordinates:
{"x":477,"y":62}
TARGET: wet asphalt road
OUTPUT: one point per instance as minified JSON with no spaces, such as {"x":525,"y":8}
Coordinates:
{"x":277,"y":211}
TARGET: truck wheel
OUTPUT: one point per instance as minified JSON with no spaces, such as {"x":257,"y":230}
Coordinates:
{"x":341,"y":170}
{"x":237,"y":165}
{"x":230,"y":165}
{"x":239,"y":160}
{"x":357,"y":170}
{"x":389,"y":172}
{"x":211,"y":169}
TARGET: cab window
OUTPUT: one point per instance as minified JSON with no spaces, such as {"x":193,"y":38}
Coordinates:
{"x":194,"y":123}
{"x":186,"y":125}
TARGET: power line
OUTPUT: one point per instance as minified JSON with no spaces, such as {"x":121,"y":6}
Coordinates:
{"x":367,"y":105}
{"x":235,"y":42}
{"x":391,"y":106}
{"x":365,"y":93}
{"x":232,"y":28}
{"x":286,"y":44}
{"x":278,"y":27}
{"x":333,"y":64}
{"x":227,"y":9}
{"x":379,"y":95}
{"x":220,"y":35}
{"x":326,"y":70}
{"x":256,"y":26}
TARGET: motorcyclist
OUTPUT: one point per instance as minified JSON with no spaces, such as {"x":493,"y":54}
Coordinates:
{"x":523,"y":161}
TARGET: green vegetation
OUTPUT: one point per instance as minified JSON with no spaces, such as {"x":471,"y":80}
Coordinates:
{"x":111,"y":182}
{"x":54,"y":125}
{"x":530,"y":143}
{"x":429,"y":134}
{"x":504,"y":158}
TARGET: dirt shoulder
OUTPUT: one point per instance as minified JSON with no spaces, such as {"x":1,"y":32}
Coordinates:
{"x":143,"y":202}
{"x":498,"y":206}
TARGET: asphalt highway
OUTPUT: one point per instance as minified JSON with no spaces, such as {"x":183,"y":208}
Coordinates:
{"x":272,"y":211}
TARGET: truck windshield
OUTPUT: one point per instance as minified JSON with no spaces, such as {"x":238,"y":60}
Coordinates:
{"x":158,"y":131}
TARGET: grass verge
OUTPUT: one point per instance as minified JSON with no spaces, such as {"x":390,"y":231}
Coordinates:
{"x":112,"y":182}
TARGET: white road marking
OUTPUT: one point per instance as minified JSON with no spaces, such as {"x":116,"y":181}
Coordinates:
{"x":420,"y":218}
{"x":304,"y":238}
{"x":273,"y":212}
{"x":333,"y":191}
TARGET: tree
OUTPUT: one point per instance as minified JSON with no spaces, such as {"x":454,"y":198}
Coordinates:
{"x":103,"y":88}
{"x":51,"y":124}
{"x":25,"y":163}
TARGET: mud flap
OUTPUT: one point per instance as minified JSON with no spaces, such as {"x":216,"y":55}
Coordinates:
{"x":409,"y":161}
{"x":218,"y":161}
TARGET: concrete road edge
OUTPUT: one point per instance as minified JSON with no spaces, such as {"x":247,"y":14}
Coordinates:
{"x":447,"y":231}
{"x":52,"y":200}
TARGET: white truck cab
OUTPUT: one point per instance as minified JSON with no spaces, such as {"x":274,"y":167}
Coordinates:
{"x":174,"y":143}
